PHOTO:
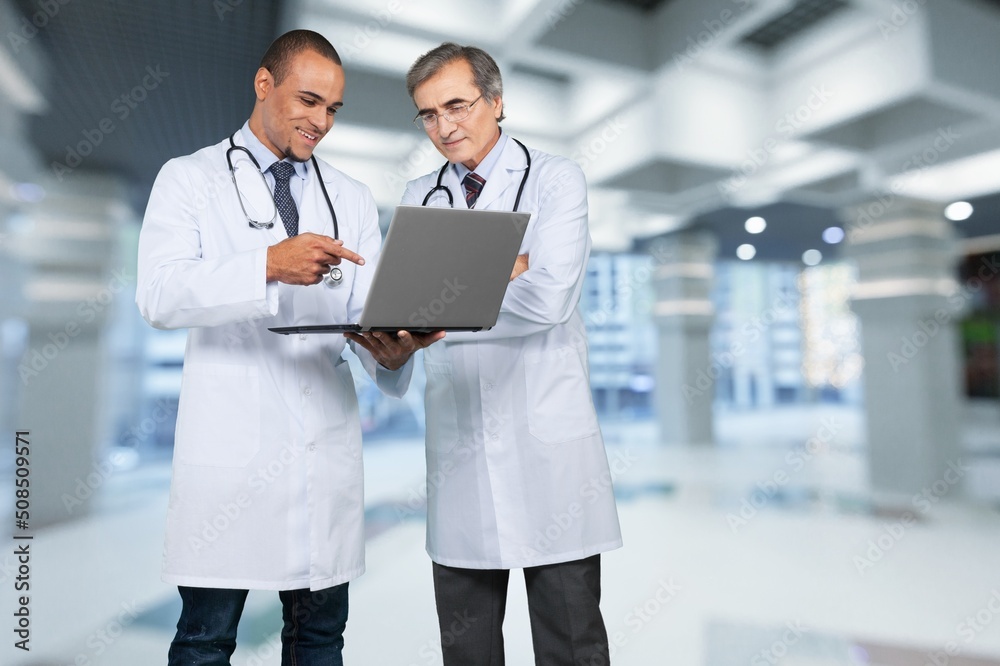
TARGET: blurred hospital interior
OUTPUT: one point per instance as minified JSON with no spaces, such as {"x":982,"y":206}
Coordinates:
{"x":792,"y":303}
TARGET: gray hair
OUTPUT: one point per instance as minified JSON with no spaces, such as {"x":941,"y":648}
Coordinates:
{"x":485,"y":72}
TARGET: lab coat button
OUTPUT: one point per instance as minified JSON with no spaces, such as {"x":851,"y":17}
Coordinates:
{"x":307,"y":391}
{"x":312,"y":447}
{"x":495,"y":437}
{"x":488,"y":386}
{"x":302,"y":336}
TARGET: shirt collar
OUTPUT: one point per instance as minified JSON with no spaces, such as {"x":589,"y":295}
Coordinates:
{"x":264,"y":156}
{"x":485,"y":167}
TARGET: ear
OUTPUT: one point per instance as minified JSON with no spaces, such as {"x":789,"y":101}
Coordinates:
{"x":497,"y":107}
{"x":263,"y":83}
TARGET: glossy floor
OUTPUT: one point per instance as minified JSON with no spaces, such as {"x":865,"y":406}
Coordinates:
{"x":765,"y":549}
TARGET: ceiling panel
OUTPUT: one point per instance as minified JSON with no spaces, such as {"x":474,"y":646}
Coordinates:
{"x":134,"y":84}
{"x":644,"y":5}
{"x":802,"y":16}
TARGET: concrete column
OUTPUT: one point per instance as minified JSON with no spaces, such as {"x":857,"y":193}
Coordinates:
{"x":683,"y":315}
{"x":67,"y":243}
{"x":909,"y":303}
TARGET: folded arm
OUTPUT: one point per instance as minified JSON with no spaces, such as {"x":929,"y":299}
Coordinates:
{"x":548,"y":291}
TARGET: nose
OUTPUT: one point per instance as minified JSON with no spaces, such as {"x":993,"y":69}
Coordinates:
{"x":321,"y":119}
{"x":445,"y":127}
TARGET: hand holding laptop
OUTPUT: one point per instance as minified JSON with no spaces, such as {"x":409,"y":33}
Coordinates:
{"x":520,"y":265}
{"x":306,"y":258}
{"x":392,"y":350}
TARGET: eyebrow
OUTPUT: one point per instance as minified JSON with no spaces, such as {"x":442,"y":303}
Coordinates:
{"x":319,"y":98}
{"x":450,"y":102}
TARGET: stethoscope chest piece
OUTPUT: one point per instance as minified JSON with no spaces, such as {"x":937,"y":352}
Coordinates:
{"x":334,"y":277}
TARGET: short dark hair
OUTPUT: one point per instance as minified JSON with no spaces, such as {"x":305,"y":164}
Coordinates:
{"x":279,"y":54}
{"x":485,"y":72}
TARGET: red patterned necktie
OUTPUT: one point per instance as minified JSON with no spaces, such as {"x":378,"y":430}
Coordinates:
{"x":473,"y":184}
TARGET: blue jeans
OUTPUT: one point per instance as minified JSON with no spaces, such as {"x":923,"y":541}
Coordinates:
{"x":313,"y":632}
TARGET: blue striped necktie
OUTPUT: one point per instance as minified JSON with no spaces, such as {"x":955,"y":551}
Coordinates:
{"x":282,"y":172}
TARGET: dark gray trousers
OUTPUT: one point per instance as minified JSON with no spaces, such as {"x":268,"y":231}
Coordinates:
{"x":563,"y":605}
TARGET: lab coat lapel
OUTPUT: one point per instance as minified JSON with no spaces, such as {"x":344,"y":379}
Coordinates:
{"x":319,"y":219}
{"x":506,"y":173}
{"x":455,"y":186}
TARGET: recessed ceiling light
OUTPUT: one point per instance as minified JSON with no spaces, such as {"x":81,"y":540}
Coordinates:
{"x":958,"y":211}
{"x":812,"y":257}
{"x":833,"y":235}
{"x":755,"y":225}
{"x":746,"y":252}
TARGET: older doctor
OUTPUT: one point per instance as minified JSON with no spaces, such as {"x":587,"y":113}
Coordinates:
{"x":267,"y":476}
{"x":520,"y":473}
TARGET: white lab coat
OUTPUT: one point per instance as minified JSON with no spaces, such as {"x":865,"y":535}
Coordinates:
{"x":517,"y":473}
{"x":267,"y":489}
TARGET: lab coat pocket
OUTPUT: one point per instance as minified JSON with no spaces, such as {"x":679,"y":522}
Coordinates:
{"x":442,"y":409}
{"x":218,"y":423}
{"x":559,"y":404}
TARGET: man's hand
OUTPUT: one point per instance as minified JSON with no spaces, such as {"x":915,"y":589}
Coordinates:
{"x":393,"y":350}
{"x":306,"y":258}
{"x":520,"y":265}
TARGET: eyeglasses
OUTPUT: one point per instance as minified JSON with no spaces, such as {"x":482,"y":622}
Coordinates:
{"x":455,"y":113}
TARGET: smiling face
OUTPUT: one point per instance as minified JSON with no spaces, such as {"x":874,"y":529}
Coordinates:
{"x":467,"y":141}
{"x":292,"y":117}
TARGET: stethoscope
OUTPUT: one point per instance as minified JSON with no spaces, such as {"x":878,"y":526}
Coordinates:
{"x":335,"y":276}
{"x":451,"y":199}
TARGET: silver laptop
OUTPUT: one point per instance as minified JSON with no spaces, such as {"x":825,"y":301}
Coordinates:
{"x":440,"y":269}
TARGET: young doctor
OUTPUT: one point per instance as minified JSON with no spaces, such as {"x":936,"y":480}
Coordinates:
{"x":521,"y":473}
{"x":267,"y":473}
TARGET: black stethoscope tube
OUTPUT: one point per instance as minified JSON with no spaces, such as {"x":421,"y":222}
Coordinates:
{"x":336,"y":275}
{"x":451,"y":199}
{"x":268,"y":225}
